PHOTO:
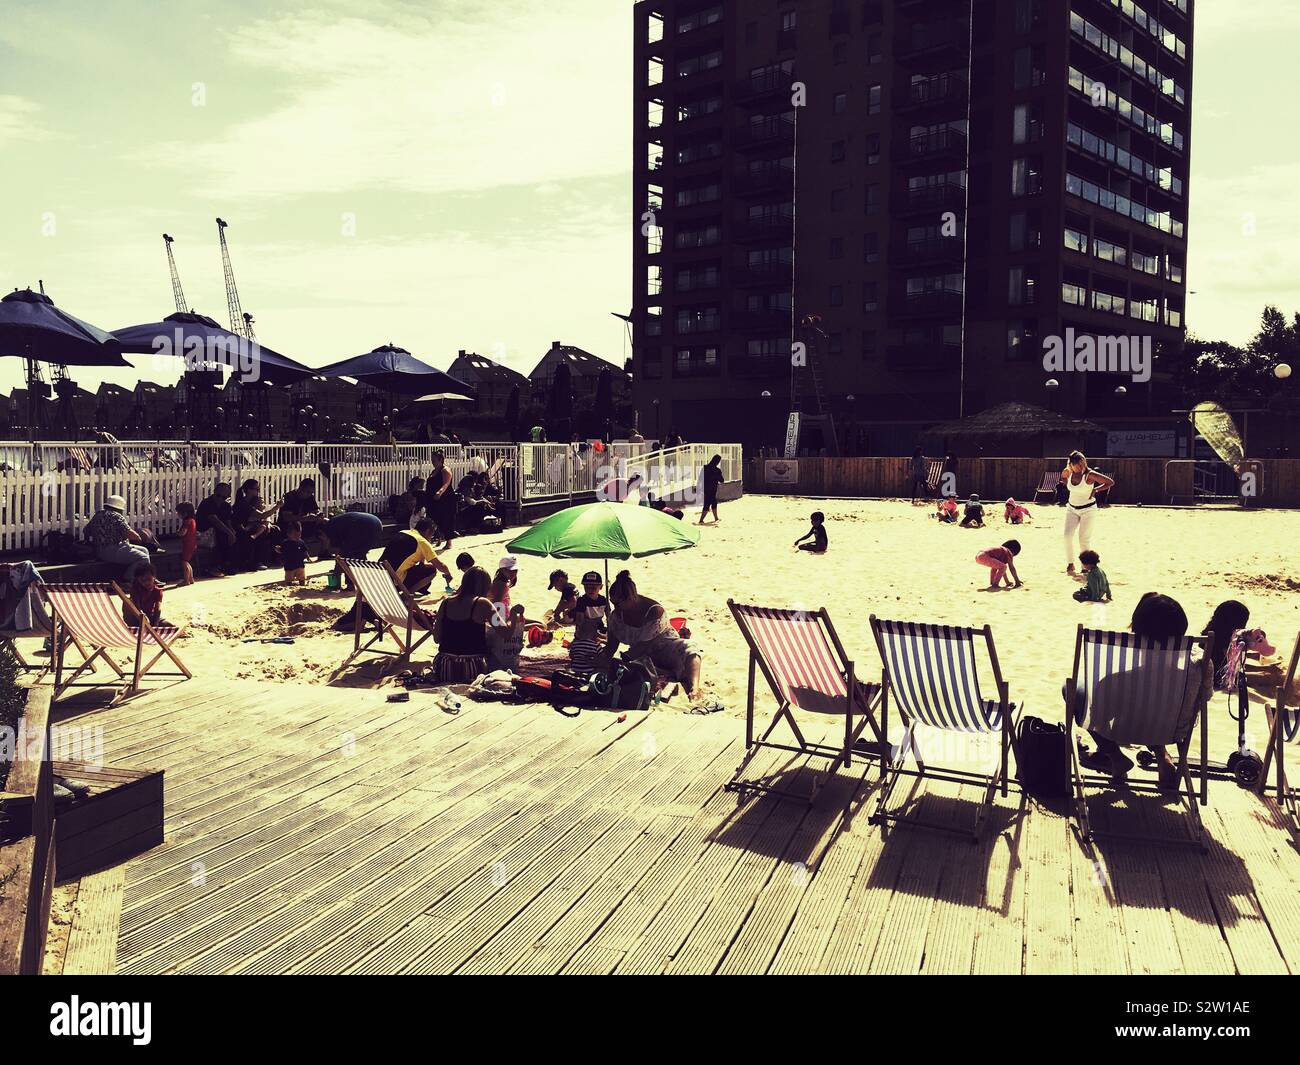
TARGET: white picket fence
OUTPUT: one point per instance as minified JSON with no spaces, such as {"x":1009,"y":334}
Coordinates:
{"x":59,"y":486}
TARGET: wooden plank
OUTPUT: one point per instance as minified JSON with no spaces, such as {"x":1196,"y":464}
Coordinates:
{"x":92,"y":944}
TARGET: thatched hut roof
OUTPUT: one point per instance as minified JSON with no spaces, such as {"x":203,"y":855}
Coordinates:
{"x":1014,"y":419}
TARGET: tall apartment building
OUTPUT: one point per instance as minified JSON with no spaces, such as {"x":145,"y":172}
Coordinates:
{"x":921,"y":191}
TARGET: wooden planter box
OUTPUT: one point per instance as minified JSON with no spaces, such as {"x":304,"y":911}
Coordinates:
{"x":27,"y":867}
{"x":120,"y":818}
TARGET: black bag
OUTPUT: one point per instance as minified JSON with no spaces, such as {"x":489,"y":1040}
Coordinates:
{"x":1043,"y":762}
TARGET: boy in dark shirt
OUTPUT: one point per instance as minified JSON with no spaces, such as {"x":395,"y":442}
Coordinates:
{"x":293,"y":553}
{"x":973,"y":518}
{"x":818,"y":534}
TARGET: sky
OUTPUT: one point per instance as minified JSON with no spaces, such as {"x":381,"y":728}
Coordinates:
{"x":448,"y":174}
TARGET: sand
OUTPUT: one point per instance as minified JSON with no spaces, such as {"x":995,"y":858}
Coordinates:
{"x":885,"y":557}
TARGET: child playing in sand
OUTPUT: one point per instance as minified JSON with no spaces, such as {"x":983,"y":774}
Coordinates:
{"x":1097,"y":590}
{"x":189,"y":540}
{"x":1001,"y":562}
{"x":818,"y":534}
{"x":590,"y":613}
{"x":974,"y":516}
{"x":1015,"y":513}
{"x":562,"y":613}
{"x":293,"y":553}
{"x":146,"y":595}
{"x":946,"y":510}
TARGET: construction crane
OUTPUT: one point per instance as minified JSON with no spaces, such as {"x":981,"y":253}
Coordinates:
{"x":240,"y":322}
{"x":178,"y":293}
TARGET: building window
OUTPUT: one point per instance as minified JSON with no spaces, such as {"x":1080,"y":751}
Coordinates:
{"x":871,"y":248}
{"x":873,"y":198}
{"x":868,"y":342}
{"x":1076,"y":241}
{"x":840,"y":52}
{"x":836,"y":296}
{"x":837,"y":151}
{"x":1026,"y":126}
{"x":1025,"y":233}
{"x":835,"y":343}
{"x":873,"y":48}
{"x":1026,"y":177}
{"x":870,"y":296}
{"x":1028,"y":14}
{"x":837,"y":198}
{"x":1026,"y":72}
{"x":1075,"y":295}
{"x":840,"y":103}
{"x":873,"y":149}
{"x":836,"y":250}
{"x":789,"y":21}
{"x":874,"y":95}
{"x":1020,"y":286}
{"x":1020,"y":340}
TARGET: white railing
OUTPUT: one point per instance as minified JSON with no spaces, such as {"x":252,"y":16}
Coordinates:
{"x":58,"y":486}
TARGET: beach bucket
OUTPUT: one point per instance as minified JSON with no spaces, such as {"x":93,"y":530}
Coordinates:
{"x":334,"y":581}
{"x":677,"y":623}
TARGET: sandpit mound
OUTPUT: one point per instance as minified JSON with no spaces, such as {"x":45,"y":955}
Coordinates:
{"x":281,"y":619}
{"x":1263,"y":582}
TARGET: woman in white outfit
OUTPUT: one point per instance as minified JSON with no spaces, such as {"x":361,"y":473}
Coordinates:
{"x":1083,"y":485}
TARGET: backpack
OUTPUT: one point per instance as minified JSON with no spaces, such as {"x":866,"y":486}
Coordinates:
{"x":1043,"y":762}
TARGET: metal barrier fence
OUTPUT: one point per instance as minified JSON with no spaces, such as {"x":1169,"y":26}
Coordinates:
{"x":58,"y":486}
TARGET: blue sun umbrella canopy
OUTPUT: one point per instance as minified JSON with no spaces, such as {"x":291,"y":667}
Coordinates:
{"x":201,"y":341}
{"x":32,"y":327}
{"x":394,"y":369}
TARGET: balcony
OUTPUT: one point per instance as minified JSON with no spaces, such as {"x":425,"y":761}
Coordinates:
{"x":934,"y":250}
{"x":930,"y":39}
{"x":941,"y":304}
{"x":932,"y":92}
{"x":765,"y":227}
{"x":777,"y":177}
{"x":769,"y":83}
{"x":697,"y":368}
{"x":759,"y":275}
{"x":945,"y":196}
{"x":770,"y":133}
{"x":768,"y":366}
{"x":932,"y":147}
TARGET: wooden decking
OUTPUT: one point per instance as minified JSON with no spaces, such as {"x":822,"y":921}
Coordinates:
{"x":323,"y":830}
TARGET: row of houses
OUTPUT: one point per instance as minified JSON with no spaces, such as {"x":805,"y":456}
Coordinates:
{"x":151,"y":409}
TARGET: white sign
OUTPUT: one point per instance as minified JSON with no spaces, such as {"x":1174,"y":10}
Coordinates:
{"x":781,"y":471}
{"x":1160,"y":443}
{"x":792,"y":436}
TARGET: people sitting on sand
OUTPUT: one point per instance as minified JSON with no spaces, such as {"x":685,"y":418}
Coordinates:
{"x":215,"y":516}
{"x":590,"y":617}
{"x":819,"y":541}
{"x":1097,"y":589}
{"x":946,"y":510}
{"x":257,"y":538}
{"x":146,"y":595}
{"x":408,"y":508}
{"x":562,"y":614}
{"x":505,"y":578}
{"x":658,"y":504}
{"x":300,"y":505}
{"x":460,"y":630}
{"x":292,"y":552}
{"x":640,"y":624}
{"x":1015,"y":513}
{"x":973,"y":518}
{"x":478,"y":497}
{"x":1001,"y":562}
{"x":115,"y":540}
{"x":463,"y":562}
{"x":1156,"y":617}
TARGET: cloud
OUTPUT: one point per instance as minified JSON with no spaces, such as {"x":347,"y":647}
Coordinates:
{"x":18,"y":120}
{"x":428,"y":104}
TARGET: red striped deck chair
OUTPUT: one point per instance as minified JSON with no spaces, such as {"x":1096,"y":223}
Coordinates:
{"x":931,"y":674}
{"x":1137,"y":691}
{"x":92,"y":615}
{"x":1284,"y":731}
{"x":79,"y":459}
{"x":396,"y":613}
{"x":1047,"y":486}
{"x":805,"y":665}
{"x":42,"y":627}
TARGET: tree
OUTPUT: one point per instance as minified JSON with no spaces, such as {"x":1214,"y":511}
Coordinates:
{"x":559,"y":407}
{"x":512,"y":413}
{"x":1222,"y":371}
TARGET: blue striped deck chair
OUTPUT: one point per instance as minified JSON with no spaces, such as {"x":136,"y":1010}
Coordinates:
{"x":1284,"y":731}
{"x":805,"y":665}
{"x":1138,"y":691}
{"x":931,"y":674}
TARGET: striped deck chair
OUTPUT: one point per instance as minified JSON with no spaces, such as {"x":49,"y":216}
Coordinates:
{"x":930,"y":673}
{"x":1138,"y":691}
{"x":41,"y":627}
{"x":79,"y":459}
{"x":1284,"y":731}
{"x":933,"y":476}
{"x":1047,"y":486}
{"x":396,"y":613}
{"x":91,"y":614}
{"x":804,"y":664}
